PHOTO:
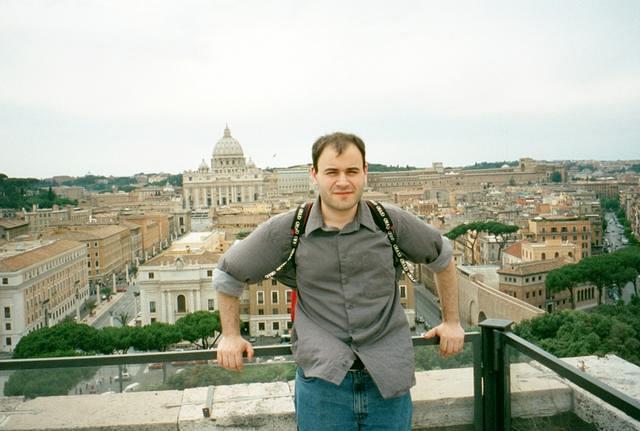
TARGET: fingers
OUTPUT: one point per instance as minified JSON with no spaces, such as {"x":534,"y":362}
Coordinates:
{"x":229,"y":354}
{"x":249,"y":352}
{"x":430,"y":333}
{"x":450,"y":346}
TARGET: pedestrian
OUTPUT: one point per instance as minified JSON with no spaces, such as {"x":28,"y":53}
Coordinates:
{"x":351,"y":340}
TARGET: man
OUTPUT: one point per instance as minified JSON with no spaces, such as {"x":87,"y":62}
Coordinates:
{"x":351,"y":340}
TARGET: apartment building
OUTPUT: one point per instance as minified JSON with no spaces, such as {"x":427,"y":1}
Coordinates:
{"x":41,"y":283}
{"x":108,"y":249}
{"x":564,"y":228}
{"x":40,"y":219}
{"x":526,"y":282}
{"x":295,"y":180}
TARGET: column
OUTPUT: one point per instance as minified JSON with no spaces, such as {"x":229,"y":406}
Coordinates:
{"x":198,"y":301}
{"x":163,"y":307}
{"x":193,"y":303}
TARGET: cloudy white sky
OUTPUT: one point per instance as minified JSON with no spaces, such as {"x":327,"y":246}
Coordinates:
{"x":120,"y":87}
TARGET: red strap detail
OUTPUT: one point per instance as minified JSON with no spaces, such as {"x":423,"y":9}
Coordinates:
{"x":294,"y":299}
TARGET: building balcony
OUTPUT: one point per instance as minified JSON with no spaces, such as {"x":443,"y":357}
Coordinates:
{"x":499,"y":382}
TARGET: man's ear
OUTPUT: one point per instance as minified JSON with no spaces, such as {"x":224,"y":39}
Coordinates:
{"x":314,"y":175}
{"x":365,"y":168}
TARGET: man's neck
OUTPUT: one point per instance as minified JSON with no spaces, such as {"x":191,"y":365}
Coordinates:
{"x":336,"y":218}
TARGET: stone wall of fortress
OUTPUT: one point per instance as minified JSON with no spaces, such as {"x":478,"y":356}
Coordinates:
{"x":530,"y":172}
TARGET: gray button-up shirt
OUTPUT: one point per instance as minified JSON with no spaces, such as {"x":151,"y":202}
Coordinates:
{"x":348,"y":300}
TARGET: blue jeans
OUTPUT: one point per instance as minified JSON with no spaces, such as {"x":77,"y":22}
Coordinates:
{"x":354,"y":405}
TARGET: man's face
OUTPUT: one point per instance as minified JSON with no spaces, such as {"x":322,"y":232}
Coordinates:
{"x":340,"y":178}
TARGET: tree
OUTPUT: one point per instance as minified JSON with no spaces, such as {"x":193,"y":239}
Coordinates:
{"x":107,"y":292}
{"x":612,"y":270}
{"x":564,"y":278}
{"x":122,"y":318}
{"x":63,"y":339}
{"x":157,"y":336}
{"x":199,"y":327}
{"x":502,"y":233}
{"x":114,"y":340}
{"x":243,"y":234}
{"x":607,"y":329}
{"x":470,"y":234}
{"x":91,"y":305}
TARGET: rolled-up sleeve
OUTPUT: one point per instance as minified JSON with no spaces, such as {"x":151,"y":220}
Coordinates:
{"x":249,"y":260}
{"x":443,"y":259}
{"x":225,"y":283}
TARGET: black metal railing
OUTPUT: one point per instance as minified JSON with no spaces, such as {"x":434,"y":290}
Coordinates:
{"x":491,"y":370}
{"x":496,"y":403}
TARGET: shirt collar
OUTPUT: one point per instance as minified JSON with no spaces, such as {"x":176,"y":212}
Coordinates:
{"x":363,"y":217}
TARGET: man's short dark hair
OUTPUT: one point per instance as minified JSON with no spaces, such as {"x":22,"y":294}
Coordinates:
{"x":339,"y":141}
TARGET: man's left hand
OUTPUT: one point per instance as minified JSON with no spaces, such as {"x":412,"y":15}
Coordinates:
{"x":451,"y":337}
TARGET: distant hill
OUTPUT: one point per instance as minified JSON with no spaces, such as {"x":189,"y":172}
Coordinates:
{"x":376,"y":167}
{"x":490,"y":165}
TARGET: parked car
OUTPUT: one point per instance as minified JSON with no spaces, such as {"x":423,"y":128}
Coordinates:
{"x":125,"y":377}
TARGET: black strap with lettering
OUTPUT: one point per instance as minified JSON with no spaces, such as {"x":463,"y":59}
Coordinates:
{"x":297,"y":229}
{"x":380,"y":217}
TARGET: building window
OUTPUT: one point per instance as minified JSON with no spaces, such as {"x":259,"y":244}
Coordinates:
{"x":152,"y":306}
{"x":8,"y":341}
{"x":210,"y":305}
{"x":7,"y":312}
{"x":153,"y":319}
{"x":5,"y":280}
{"x":274,"y":282}
{"x":182,"y":304}
{"x":97,"y":264}
{"x":260,"y":297}
{"x":209,"y":273}
{"x":151,"y":276}
{"x":275,"y":326}
{"x":260,"y":311}
{"x":274,"y":297}
{"x":274,"y":311}
{"x":7,"y":326}
{"x":288,"y":296}
{"x":403,"y":291}
{"x":261,"y":326}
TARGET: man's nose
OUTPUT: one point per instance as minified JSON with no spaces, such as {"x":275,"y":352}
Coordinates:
{"x":342,"y":178}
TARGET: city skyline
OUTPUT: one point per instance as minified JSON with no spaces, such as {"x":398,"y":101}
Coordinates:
{"x":117,"y":89}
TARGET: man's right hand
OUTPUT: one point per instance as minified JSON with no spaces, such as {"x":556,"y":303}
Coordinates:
{"x":230,"y":350}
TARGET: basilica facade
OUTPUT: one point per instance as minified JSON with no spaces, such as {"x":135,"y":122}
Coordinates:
{"x":228,"y":179}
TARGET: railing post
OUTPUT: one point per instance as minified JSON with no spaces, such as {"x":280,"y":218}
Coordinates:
{"x":496,"y":399}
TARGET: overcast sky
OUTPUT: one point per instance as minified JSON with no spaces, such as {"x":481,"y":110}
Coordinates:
{"x":120,"y":87}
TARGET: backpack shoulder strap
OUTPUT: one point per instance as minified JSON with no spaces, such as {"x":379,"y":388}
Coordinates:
{"x":384,"y":222}
{"x":298,"y":226}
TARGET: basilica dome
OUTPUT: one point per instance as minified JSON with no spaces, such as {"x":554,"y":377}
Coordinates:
{"x":227,"y":146}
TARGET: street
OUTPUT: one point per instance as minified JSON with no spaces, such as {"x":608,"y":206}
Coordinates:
{"x":427,"y":307}
{"x":123,"y":304}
